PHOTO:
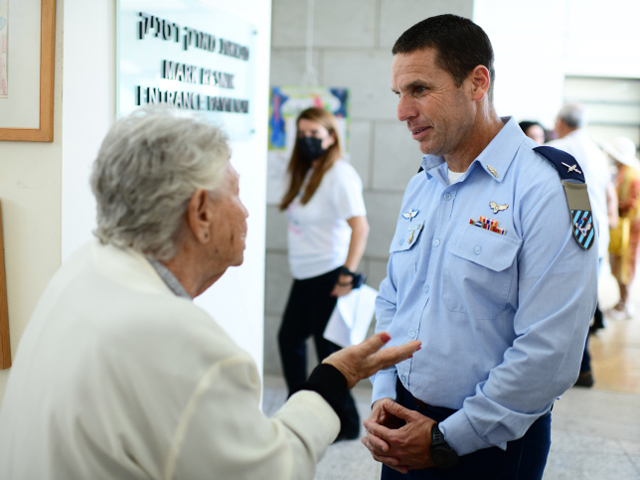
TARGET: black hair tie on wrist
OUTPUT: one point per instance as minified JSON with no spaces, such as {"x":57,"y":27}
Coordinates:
{"x":357,"y":279}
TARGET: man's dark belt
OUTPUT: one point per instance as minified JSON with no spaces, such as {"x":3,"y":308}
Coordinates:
{"x":419,"y":403}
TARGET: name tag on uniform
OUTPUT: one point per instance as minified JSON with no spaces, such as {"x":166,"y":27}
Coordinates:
{"x":411,"y":235}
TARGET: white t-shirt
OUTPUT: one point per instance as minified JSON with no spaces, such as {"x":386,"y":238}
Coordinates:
{"x":454,"y":176}
{"x":319,"y":234}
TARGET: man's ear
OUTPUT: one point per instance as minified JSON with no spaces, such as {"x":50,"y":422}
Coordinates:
{"x":199,"y":215}
{"x":480,"y":82}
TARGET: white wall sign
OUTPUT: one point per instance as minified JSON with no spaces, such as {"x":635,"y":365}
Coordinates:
{"x":189,"y":55}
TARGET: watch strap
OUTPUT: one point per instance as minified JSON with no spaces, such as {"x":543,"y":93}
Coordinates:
{"x":442,"y":455}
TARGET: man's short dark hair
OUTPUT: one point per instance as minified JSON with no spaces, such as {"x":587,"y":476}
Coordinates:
{"x":460,"y":45}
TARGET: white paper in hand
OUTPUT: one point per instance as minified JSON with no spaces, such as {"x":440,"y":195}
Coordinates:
{"x":350,"y":320}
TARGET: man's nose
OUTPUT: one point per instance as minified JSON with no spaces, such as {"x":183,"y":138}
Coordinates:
{"x":406,"y":109}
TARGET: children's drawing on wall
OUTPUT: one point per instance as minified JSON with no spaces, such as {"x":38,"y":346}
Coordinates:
{"x":285,"y":105}
{"x":4,"y":20}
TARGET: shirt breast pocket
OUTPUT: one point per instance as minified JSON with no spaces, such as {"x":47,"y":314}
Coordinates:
{"x":479,"y":271}
{"x":404,"y":247}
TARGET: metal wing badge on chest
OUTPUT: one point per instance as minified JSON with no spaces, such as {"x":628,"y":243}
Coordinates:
{"x":575,"y":189}
{"x":413,"y":231}
{"x":498,"y":208}
{"x":411,"y":214}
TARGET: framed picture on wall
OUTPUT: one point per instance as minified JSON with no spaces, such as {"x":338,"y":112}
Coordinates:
{"x":5,"y":343}
{"x":27,"y":53}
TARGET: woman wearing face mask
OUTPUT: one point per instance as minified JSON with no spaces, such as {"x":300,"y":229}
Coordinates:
{"x":327,"y":236}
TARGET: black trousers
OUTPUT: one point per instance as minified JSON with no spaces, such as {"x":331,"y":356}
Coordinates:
{"x":524,"y":458}
{"x":307,"y":313}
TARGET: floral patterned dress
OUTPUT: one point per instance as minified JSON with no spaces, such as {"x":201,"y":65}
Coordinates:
{"x":628,"y":189}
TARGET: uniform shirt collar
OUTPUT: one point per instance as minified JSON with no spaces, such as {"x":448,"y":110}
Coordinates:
{"x":169,"y":278}
{"x":495,"y":159}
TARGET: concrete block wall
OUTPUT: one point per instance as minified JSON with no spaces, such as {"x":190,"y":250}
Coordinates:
{"x":352,"y":48}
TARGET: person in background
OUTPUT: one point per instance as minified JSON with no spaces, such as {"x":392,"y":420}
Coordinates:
{"x":484,"y":268}
{"x":622,"y":151}
{"x":573,"y":138}
{"x":327,"y":237}
{"x":534,"y":131}
{"x":119,"y":375}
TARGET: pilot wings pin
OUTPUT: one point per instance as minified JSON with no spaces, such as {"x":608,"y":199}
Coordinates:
{"x":410,"y":215}
{"x":498,"y":208}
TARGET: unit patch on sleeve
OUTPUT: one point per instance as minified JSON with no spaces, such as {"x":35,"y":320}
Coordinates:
{"x":575,"y":189}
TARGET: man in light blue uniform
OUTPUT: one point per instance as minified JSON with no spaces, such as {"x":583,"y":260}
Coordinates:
{"x":484,"y":269}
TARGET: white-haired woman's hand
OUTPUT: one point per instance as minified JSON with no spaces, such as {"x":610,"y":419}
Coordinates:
{"x":363,"y":360}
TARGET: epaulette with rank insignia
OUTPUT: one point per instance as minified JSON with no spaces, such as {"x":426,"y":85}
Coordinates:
{"x":575,"y":189}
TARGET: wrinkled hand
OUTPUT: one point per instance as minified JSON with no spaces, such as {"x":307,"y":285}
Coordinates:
{"x":342,"y":290}
{"x":363,"y":360}
{"x":398,"y":437}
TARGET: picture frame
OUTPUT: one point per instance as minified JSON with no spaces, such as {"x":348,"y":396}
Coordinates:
{"x":44,"y":131}
{"x":5,"y":343}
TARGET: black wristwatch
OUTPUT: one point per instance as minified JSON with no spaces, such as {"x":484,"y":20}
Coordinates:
{"x":442,"y":455}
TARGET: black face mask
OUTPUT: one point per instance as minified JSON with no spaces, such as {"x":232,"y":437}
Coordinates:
{"x":310,"y":148}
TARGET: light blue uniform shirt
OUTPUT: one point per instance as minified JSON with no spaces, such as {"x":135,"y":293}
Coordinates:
{"x":502,"y":317}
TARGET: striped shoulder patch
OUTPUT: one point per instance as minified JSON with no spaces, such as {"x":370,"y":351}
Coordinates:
{"x":583,"y":229}
{"x":575,"y":189}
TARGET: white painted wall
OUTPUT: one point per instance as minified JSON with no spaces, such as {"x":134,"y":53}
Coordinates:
{"x":538,"y":43}
{"x":48,"y":208}
{"x":237,"y":299}
{"x":30,"y":191}
{"x":89,"y":108}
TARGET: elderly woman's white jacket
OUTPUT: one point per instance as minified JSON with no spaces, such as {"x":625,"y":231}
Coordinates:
{"x":117,"y":378}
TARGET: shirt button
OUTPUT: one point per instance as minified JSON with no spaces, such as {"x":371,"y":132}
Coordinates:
{"x":426,"y":289}
{"x":436,"y":242}
{"x":403,"y":378}
{"x":412,"y":334}
{"x":478,"y":249}
{"x":447,"y":196}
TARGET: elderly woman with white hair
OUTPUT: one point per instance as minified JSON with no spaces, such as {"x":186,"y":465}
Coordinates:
{"x":119,"y":375}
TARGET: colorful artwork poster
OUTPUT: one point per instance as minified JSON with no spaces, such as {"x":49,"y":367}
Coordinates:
{"x":285,"y":105}
{"x":4,"y":21}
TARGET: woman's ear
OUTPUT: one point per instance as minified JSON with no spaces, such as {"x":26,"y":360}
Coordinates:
{"x":199,"y":215}
{"x":334,"y":137}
